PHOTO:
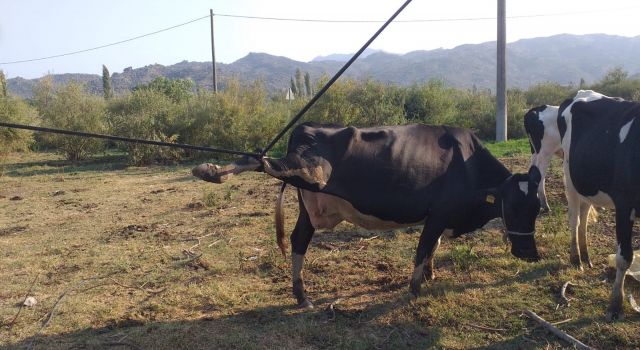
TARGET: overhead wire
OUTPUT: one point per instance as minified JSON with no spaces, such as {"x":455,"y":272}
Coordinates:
{"x":312,"y":20}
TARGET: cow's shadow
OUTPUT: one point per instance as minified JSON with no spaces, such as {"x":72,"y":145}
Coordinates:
{"x":367,"y":324}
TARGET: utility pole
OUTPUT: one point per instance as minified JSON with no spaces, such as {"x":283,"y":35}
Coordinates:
{"x":501,"y":76}
{"x":213,"y":55}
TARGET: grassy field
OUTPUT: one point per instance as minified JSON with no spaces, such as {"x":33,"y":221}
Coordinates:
{"x":150,"y":258}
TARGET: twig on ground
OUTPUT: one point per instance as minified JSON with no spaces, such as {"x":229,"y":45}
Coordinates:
{"x":557,"y":332}
{"x":150,"y":291}
{"x":561,"y":322}
{"x":55,"y":305}
{"x":198,"y":240}
{"x":632,"y":301}
{"x":563,"y":292}
{"x":485,"y":328}
{"x":214,"y":243}
{"x":10,"y":324}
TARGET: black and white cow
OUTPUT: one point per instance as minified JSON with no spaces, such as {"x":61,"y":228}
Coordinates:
{"x":541,"y":126}
{"x":396,"y":176}
{"x":601,"y":144}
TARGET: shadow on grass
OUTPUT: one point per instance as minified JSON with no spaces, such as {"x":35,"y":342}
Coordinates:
{"x":58,"y":166}
{"x":282,"y":327}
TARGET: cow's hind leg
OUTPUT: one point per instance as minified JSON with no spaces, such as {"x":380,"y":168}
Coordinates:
{"x":624,"y":257}
{"x":300,"y":238}
{"x":429,"y":241}
{"x":582,"y":233}
{"x":574,"y":220}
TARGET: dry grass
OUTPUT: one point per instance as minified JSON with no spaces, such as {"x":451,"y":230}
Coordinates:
{"x":151,"y":258}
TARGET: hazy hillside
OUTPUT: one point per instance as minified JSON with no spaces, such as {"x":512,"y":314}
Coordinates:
{"x":562,"y":58}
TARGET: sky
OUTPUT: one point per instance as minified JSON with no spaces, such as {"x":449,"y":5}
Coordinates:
{"x":31,"y":29}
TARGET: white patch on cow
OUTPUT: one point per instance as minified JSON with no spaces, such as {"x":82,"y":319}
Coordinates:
{"x":624,"y":131}
{"x":524,"y":187}
{"x":601,"y":199}
{"x":581,"y":96}
{"x":633,"y":216}
{"x":327,"y":211}
{"x":297,"y":262}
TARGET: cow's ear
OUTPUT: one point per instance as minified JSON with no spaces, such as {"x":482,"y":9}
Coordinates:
{"x":534,"y":176}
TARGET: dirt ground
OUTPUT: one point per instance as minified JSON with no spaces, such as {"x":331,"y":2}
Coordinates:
{"x":122,"y":257}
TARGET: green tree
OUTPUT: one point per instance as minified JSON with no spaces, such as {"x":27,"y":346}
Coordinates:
{"x":307,"y":83}
{"x":106,"y":83}
{"x":300,"y":83}
{"x":3,"y":84}
{"x":15,"y":110}
{"x":614,"y":76}
{"x":294,"y":88}
{"x":70,"y":107}
{"x":177,"y":89}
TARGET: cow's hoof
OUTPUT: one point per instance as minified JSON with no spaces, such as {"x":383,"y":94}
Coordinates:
{"x":588,"y":263}
{"x":305,"y":304}
{"x":576,"y":262}
{"x":429,"y":275}
{"x":615,"y":314}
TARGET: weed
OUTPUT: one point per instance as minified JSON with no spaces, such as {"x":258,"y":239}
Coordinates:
{"x":463,"y":256}
{"x":209,"y":198}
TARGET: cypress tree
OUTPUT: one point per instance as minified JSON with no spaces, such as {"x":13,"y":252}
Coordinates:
{"x":307,"y":83}
{"x":106,"y":83}
{"x":3,"y":85}
{"x":294,"y":88}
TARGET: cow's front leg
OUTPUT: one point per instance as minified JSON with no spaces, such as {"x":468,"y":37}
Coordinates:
{"x":624,"y":257}
{"x":429,"y":241}
{"x":300,"y":238}
{"x":542,"y":161}
{"x":428,"y":273}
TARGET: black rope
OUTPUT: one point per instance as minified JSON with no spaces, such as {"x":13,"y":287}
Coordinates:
{"x":333,"y":80}
{"x":127,"y":139}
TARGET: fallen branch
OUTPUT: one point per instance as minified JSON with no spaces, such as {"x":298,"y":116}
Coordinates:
{"x":632,"y":301}
{"x":485,"y":328}
{"x":563,"y":292}
{"x":55,"y":305}
{"x":10,"y":324}
{"x":557,"y":332}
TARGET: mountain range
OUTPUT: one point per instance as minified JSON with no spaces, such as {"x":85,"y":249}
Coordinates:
{"x":564,"y":59}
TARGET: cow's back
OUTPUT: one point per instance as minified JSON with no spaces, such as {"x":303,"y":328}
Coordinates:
{"x":399,"y":172}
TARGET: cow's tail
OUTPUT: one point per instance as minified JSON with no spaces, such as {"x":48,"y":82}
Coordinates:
{"x":280,"y":221}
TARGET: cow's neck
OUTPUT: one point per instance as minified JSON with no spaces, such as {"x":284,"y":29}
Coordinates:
{"x":490,"y":172}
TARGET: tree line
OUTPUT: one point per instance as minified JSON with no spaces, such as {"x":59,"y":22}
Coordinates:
{"x":245,"y":116}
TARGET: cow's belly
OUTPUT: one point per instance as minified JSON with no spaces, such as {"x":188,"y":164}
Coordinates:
{"x":600,"y":199}
{"x":327,"y":211}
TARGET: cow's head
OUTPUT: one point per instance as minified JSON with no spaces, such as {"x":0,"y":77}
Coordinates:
{"x":519,"y":208}
{"x":219,"y":174}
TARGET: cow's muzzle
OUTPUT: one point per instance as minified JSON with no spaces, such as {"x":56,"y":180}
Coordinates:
{"x":213,"y":173}
{"x":523,"y":246}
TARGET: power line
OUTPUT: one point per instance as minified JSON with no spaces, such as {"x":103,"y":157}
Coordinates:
{"x":317,"y":21}
{"x":107,"y":45}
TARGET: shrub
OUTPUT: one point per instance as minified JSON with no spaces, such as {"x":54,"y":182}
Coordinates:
{"x":70,"y":107}
{"x":15,"y":110}
{"x":146,"y":114}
